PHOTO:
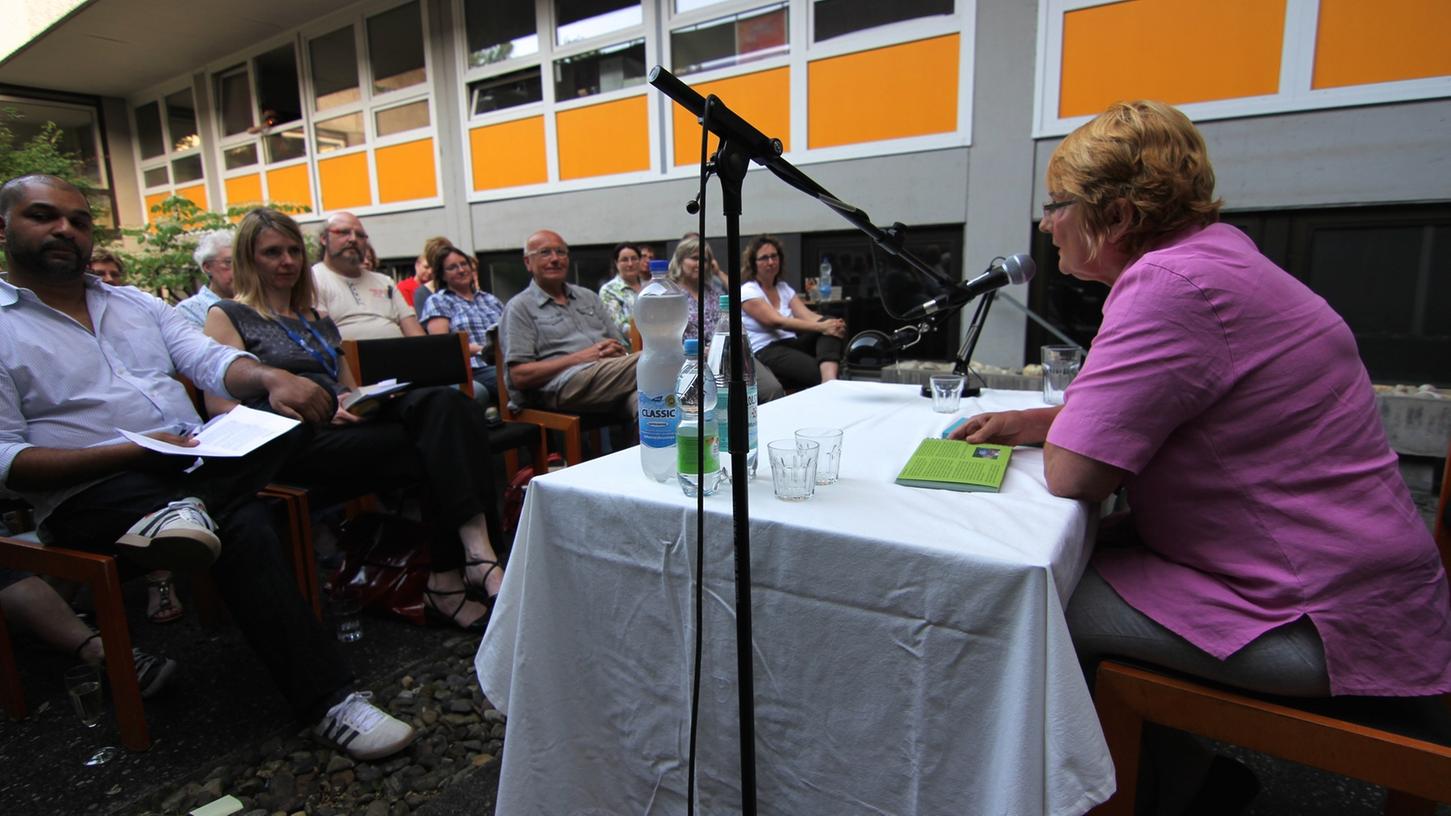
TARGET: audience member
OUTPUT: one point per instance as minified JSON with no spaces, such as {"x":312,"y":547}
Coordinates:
{"x":370,"y":259}
{"x":364,"y":305}
{"x":461,"y":306}
{"x":618,"y":293}
{"x":422,"y":273}
{"x":801,"y":347}
{"x":1272,"y":543}
{"x":214,"y":255}
{"x":432,"y":435}
{"x":685,"y":270}
{"x":426,"y":289}
{"x":560,"y":347}
{"x":107,"y":266}
{"x":81,"y":360}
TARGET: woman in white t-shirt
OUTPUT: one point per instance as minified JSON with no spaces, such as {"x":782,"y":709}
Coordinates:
{"x":801,"y":347}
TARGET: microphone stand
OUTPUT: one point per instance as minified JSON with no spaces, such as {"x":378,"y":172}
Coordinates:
{"x":740,"y":144}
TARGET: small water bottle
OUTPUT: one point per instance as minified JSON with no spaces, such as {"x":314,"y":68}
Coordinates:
{"x":695,"y":392}
{"x":718,"y":357}
{"x":823,"y":280}
{"x":660,"y":315}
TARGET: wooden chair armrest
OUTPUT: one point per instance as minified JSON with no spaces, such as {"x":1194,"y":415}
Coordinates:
{"x":59,"y":562}
{"x":568,"y":423}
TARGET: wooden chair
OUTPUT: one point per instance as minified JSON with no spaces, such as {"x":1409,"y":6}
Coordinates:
{"x":441,"y":359}
{"x":1330,"y":735}
{"x":99,"y":572}
{"x":571,"y":426}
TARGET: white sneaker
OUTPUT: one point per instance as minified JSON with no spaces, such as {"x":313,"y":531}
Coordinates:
{"x":362,"y":729}
{"x":178,"y":536}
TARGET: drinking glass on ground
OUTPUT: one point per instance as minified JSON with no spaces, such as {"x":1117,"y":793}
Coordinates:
{"x":828,"y":461}
{"x":793,"y":468}
{"x":83,"y":684}
{"x":347,"y":605}
{"x":1060,"y":366}
{"x":946,"y":392}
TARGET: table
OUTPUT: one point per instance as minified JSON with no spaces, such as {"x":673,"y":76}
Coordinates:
{"x":911,"y":655}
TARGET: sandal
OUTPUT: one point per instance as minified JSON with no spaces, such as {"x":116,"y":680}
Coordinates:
{"x":478,"y":589}
{"x":432,"y":610}
{"x":162,"y":605}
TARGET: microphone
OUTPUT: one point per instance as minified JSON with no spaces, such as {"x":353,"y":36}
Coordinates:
{"x":724,"y":122}
{"x":1014,"y":269}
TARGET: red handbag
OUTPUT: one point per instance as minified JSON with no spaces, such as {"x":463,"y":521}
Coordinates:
{"x":386,"y":558}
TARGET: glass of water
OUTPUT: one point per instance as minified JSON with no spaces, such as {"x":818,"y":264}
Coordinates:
{"x":83,"y":684}
{"x":1060,"y":366}
{"x":347,"y":605}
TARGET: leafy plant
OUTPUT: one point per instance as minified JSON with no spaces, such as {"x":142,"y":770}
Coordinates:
{"x":41,"y":153}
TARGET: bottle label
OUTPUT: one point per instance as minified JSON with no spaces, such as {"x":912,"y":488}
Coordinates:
{"x":659,"y":417}
{"x":687,"y":447}
{"x":721,"y":417}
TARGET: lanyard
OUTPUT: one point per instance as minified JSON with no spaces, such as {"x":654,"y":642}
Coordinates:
{"x":329,"y":362}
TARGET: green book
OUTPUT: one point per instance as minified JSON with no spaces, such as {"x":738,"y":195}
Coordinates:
{"x":951,"y":464}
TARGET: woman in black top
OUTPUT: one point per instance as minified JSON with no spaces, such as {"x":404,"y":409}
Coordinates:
{"x":433,"y":435}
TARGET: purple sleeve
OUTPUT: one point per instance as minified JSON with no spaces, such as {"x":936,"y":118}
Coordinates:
{"x":1160,"y":358}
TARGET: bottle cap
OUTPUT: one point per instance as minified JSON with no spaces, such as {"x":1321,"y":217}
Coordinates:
{"x":692,"y":346}
{"x":659,"y":267}
{"x":725,"y":302}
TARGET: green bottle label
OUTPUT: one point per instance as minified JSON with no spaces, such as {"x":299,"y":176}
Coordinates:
{"x":687,"y":446}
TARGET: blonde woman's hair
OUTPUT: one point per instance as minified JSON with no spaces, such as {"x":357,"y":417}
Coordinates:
{"x":1147,"y":154}
{"x":687,"y":249}
{"x":245,"y":278}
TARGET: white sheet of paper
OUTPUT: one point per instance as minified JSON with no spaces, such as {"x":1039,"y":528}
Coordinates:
{"x":235,"y":433}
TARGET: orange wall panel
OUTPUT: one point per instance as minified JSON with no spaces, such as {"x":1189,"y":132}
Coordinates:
{"x":604,"y":139}
{"x":406,"y":171}
{"x":509,"y":154}
{"x":844,"y":93}
{"x":241,"y":190}
{"x":290,"y":185}
{"x":153,"y":200}
{"x":1359,"y":43}
{"x":196,"y":194}
{"x":344,"y":182}
{"x":763,"y":99}
{"x":1176,"y":51}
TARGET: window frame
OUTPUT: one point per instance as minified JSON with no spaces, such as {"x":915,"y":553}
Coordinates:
{"x":158,"y":94}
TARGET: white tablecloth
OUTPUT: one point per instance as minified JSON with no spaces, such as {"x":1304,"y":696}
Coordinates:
{"x":911,"y":655}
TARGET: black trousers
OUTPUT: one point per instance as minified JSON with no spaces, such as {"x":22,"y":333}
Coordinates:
{"x":252,"y":573}
{"x":795,"y":361}
{"x":434,"y":436}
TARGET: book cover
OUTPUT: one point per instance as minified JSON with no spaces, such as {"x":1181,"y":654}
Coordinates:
{"x":369,"y":398}
{"x":951,"y":464}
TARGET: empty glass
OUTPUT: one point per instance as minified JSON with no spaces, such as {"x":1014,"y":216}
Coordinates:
{"x":946,"y":392}
{"x":828,"y":461}
{"x":793,"y":468}
{"x":1060,"y":366}
{"x":347,"y":605}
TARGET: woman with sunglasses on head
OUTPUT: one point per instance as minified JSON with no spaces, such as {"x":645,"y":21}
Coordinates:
{"x":460,"y":305}
{"x":801,"y":347}
{"x":431,"y":435}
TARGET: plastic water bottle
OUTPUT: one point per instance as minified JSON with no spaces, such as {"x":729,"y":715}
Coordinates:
{"x":718,"y":357}
{"x":823,"y":280}
{"x":697,"y":427}
{"x":660,"y":313}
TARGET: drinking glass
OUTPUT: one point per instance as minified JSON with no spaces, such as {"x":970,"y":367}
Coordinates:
{"x":946,"y":392}
{"x":83,"y":684}
{"x":793,"y":468}
{"x":347,"y":606}
{"x":1060,"y":366}
{"x":828,"y":461}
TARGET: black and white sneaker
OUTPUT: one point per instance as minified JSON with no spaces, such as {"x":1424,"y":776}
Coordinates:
{"x":152,"y":672}
{"x":362,"y":729}
{"x":178,"y":536}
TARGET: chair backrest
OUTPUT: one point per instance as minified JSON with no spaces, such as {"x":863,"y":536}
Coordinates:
{"x":637,"y":342}
{"x":433,"y":359}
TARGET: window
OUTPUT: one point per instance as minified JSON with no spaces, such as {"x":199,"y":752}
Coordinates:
{"x":240,"y":156}
{"x":277,"y":95}
{"x":148,"y":130}
{"x":401,"y":119}
{"x":181,"y":121}
{"x":586,"y":19}
{"x":726,"y":41}
{"x":833,"y":18}
{"x":505,"y":91}
{"x":339,"y":132}
{"x":285,"y":145}
{"x":334,"y":70}
{"x":234,"y":101}
{"x":395,"y":49}
{"x":169,"y":146}
{"x":606,"y":69}
{"x":499,"y":30}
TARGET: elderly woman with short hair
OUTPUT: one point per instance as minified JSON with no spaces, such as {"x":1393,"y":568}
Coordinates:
{"x":213,"y":255}
{"x":1272,"y":544}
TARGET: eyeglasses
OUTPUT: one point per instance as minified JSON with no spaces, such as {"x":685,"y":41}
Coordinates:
{"x":455,"y":267}
{"x":225,"y":263}
{"x":767,"y":258}
{"x":549,"y":252}
{"x":1054,"y":206}
{"x":343,"y":232}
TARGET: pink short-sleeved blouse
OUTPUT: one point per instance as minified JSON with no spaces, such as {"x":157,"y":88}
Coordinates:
{"x":1262,"y":482}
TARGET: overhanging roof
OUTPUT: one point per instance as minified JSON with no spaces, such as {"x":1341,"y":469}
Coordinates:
{"x":119,"y":47}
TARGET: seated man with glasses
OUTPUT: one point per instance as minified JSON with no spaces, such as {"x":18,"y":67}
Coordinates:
{"x":214,"y":255}
{"x":561,"y":350}
{"x":365,"y":305}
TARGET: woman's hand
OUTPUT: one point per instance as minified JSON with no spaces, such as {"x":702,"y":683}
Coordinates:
{"x":1008,"y":427}
{"x":833,"y":326}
